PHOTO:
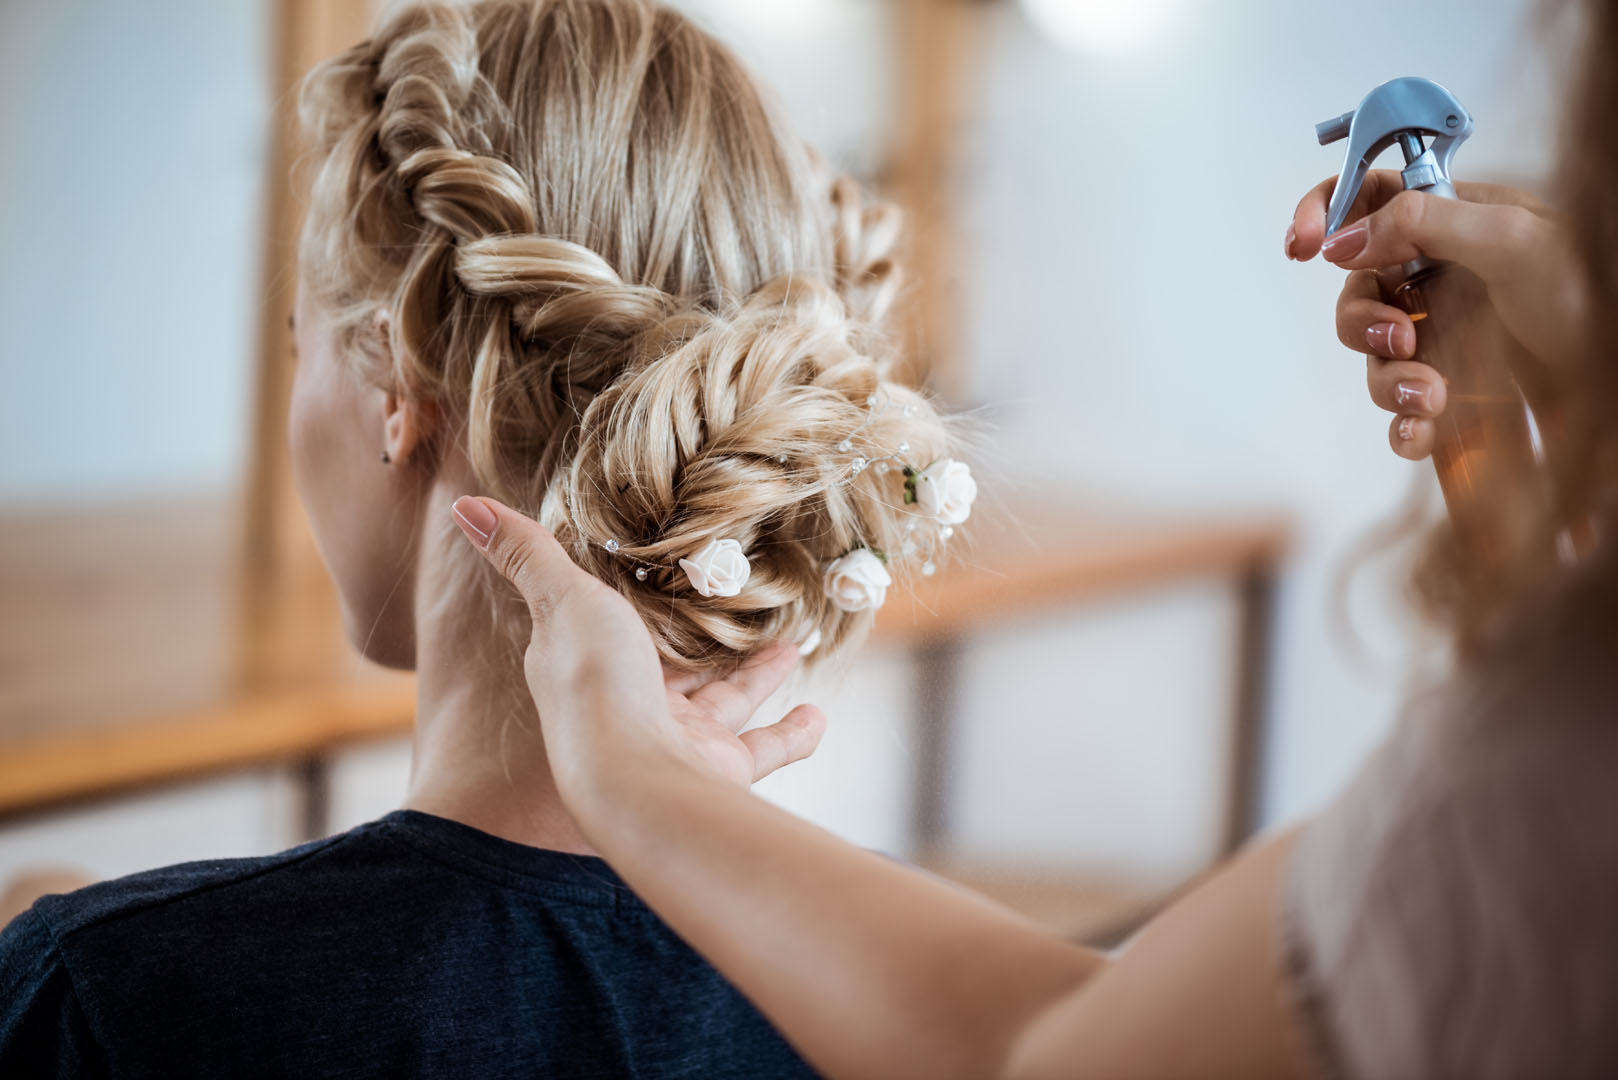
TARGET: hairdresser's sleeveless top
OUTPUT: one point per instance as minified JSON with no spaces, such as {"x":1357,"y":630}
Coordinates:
{"x":1455,"y":912}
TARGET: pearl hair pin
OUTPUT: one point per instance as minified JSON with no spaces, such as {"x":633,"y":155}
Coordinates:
{"x":719,"y":569}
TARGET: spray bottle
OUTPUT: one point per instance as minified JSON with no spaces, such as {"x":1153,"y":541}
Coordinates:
{"x":1487,"y":452}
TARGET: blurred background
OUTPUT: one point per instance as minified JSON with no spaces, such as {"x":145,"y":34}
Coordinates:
{"x":1153,"y":649}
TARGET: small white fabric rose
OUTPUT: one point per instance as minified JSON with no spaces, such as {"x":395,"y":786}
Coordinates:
{"x":720,"y":569}
{"x":945,"y":491}
{"x":858,"y":581}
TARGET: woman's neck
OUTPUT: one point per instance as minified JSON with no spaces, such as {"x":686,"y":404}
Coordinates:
{"x":478,"y":757}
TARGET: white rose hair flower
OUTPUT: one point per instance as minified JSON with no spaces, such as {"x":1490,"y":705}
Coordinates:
{"x":858,"y":581}
{"x":719,"y":569}
{"x":945,"y":490}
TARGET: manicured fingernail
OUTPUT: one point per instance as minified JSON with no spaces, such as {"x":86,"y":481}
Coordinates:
{"x":1292,"y":234}
{"x":1390,"y":339}
{"x":477,"y":521}
{"x":1346,"y":243}
{"x":1402,"y":340}
{"x":1409,"y":394}
{"x":1407,"y":428}
{"x":1380,"y":337}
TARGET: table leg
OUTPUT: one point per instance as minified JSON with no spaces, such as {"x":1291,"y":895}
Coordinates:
{"x":313,"y":777}
{"x":936,"y":667}
{"x":1249,"y":721}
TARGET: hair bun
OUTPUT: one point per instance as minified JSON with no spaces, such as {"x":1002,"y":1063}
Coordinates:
{"x":746,"y":425}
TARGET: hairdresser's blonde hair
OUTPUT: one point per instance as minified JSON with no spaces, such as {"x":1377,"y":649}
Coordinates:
{"x":647,"y":312}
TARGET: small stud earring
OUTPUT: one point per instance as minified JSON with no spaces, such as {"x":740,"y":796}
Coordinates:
{"x":386,"y":460}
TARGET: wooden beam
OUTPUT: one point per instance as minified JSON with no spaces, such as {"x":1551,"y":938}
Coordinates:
{"x":935,"y":41}
{"x":305,"y":31}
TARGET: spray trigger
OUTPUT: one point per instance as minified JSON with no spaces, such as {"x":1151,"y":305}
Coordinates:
{"x":1402,"y":111}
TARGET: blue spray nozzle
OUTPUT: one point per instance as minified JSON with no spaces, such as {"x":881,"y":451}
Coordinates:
{"x":1402,"y":111}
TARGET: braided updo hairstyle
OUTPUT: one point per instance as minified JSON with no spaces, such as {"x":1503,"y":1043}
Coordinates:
{"x":646,"y":311}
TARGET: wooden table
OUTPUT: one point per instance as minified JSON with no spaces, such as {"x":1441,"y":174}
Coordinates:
{"x":135,"y":649}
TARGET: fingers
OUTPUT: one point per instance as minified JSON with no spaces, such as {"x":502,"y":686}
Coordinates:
{"x":1365,"y":321}
{"x":1501,"y":195}
{"x":1494,"y":241}
{"x":684,"y":682}
{"x":1405,"y":387}
{"x":733,"y":700}
{"x":1413,"y":391}
{"x":1411,"y":437}
{"x":792,"y":738}
{"x":1307,"y":230}
{"x":522,"y":550}
{"x":1416,"y":393}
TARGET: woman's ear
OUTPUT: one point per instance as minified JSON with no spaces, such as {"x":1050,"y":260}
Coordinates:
{"x":408,"y":420}
{"x":408,"y":424}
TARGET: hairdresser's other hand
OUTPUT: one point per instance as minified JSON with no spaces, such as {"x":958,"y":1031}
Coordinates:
{"x":598,"y":682}
{"x":1507,"y":237}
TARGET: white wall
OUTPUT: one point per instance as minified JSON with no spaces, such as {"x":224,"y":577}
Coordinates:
{"x":134,"y":143}
{"x":1131,"y":318}
{"x":247,"y":814}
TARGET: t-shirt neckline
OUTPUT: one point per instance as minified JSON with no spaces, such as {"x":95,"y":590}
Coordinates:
{"x":558,"y":874}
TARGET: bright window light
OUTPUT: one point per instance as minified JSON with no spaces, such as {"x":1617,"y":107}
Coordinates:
{"x":774,"y":17}
{"x":1099,"y":25}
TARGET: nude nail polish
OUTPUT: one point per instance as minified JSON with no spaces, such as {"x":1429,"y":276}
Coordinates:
{"x":476,"y":520}
{"x":1410,"y":395}
{"x":1380,"y":337}
{"x":1346,"y":243}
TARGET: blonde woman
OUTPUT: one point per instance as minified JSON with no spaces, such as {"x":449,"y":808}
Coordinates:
{"x":560,"y":253}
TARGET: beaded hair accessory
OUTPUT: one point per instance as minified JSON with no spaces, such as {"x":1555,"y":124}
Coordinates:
{"x":942,"y":492}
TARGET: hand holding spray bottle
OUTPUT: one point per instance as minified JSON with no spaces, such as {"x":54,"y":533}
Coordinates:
{"x":1488,"y":453}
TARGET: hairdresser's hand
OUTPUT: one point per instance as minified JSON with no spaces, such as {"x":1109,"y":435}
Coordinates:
{"x":1507,"y":237}
{"x":600,"y":687}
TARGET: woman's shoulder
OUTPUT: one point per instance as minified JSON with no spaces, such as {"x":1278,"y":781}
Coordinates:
{"x":411,"y":945}
{"x":106,"y":903}
{"x":53,"y":955}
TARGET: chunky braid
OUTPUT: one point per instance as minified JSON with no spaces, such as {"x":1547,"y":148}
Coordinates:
{"x":864,"y":237}
{"x":647,"y":315}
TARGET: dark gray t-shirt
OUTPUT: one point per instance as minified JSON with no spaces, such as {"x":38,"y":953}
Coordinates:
{"x":1454,"y":913}
{"x":409,"y":947}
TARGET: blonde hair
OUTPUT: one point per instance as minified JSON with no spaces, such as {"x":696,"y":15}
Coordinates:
{"x":647,"y":311}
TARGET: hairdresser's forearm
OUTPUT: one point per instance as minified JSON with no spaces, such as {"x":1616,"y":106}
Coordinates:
{"x":869,"y":968}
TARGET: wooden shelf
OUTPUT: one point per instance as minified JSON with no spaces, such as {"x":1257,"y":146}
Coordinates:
{"x":1020,"y":562}
{"x":136,"y":649}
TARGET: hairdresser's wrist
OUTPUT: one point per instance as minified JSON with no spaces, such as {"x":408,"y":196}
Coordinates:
{"x":622,"y":779}
{"x":598,"y":724}
{"x":591,"y":727}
